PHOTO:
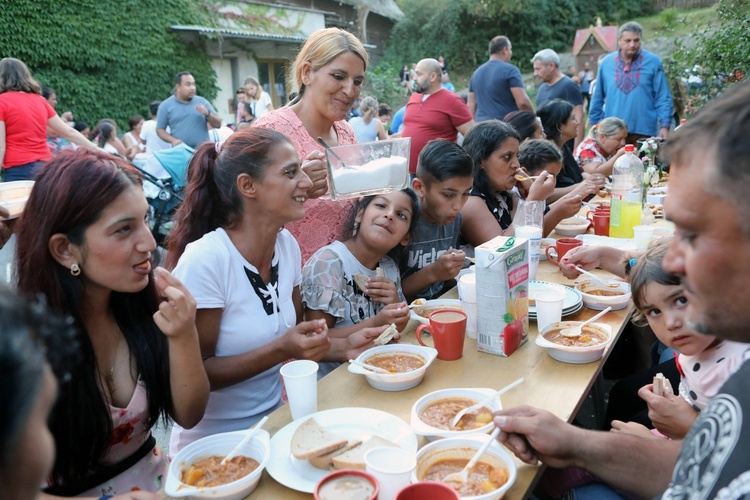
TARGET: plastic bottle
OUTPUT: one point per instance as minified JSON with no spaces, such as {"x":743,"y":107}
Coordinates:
{"x":627,"y":194}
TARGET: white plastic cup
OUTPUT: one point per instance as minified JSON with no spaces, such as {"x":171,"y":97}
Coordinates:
{"x":470,"y":308}
{"x":548,"y":308}
{"x":643,"y":236}
{"x":467,"y":287}
{"x":301,"y":382}
{"x":392,"y":467}
{"x":534,"y":235}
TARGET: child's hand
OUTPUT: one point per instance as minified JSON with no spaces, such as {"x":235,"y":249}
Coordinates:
{"x":587,"y":187}
{"x":633,"y":428}
{"x":567,"y":206}
{"x":176,"y":314}
{"x":381,"y":289}
{"x":358,"y":342}
{"x":448,"y":265}
{"x":307,"y":340}
{"x":671,"y":415}
{"x":393,"y":313}
{"x":542,"y":188}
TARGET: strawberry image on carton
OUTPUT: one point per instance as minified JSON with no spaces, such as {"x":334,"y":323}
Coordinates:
{"x":502,"y":295}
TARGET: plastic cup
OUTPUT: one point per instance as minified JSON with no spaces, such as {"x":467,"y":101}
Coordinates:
{"x":392,"y":467}
{"x":643,"y":236}
{"x":470,"y":308}
{"x":301,"y":382}
{"x":467,"y":287}
{"x":534,"y":235}
{"x":548,"y":308}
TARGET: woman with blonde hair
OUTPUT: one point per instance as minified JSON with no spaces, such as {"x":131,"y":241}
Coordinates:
{"x":24,"y":118}
{"x":366,"y":128}
{"x":598,"y":153}
{"x":328,"y":74}
{"x":259,"y":100}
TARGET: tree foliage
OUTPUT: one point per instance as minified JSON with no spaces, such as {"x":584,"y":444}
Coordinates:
{"x":106,"y":59}
{"x":460,"y":30}
{"x":712,"y":58}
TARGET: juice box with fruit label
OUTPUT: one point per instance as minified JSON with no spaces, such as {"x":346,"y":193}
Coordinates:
{"x":502,"y":294}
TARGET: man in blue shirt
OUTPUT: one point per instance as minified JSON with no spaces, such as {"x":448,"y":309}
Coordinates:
{"x":186,"y":114}
{"x":631,"y":85}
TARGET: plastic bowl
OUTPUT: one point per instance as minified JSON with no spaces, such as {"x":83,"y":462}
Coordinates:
{"x":395,"y":381}
{"x":465,"y":448}
{"x":13,"y":196}
{"x":219,"y":444}
{"x":599,"y":302}
{"x":570,"y":354}
{"x":573,"y":226}
{"x":431,"y":433}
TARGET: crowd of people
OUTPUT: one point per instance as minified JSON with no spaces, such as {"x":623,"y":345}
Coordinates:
{"x":260,"y":264}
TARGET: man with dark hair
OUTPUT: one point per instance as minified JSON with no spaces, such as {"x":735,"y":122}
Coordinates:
{"x":431,"y":260}
{"x":186,"y":114}
{"x":631,"y":85}
{"x":708,"y":202}
{"x":433,"y":112}
{"x":496,"y":87}
{"x":148,"y":130}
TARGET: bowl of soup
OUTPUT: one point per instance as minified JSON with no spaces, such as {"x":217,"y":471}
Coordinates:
{"x":406,"y":365}
{"x":585,"y":348}
{"x":196,"y":471}
{"x":347,"y":484}
{"x":612,"y":293}
{"x":493,"y":475}
{"x":432,"y":415}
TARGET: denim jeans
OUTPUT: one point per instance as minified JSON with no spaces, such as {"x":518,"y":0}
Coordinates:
{"x":25,"y":172}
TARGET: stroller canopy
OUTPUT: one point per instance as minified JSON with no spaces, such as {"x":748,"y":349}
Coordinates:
{"x":175,"y":161}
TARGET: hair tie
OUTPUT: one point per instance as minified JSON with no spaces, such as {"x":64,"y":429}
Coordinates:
{"x":217,"y":147}
{"x":632,"y":262}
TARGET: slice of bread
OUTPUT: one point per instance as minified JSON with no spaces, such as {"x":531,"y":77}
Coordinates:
{"x":325,"y":462}
{"x":386,"y":336}
{"x":361,"y":281}
{"x":312,"y":440}
{"x":355,"y":458}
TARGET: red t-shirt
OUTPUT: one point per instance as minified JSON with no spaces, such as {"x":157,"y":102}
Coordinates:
{"x":434,"y":118}
{"x":25,"y":116}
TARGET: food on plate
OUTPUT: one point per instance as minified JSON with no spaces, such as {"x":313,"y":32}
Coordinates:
{"x":208,"y":471}
{"x":427,"y":310}
{"x":349,"y":487}
{"x":355,"y":458}
{"x":590,"y":336}
{"x":396,"y":361}
{"x":572,"y":222}
{"x":419,"y":302}
{"x":325,"y":462}
{"x":361,"y":281}
{"x":482,"y":478}
{"x":612,"y":290}
{"x":656,"y":210}
{"x":313,"y":440}
{"x":440,"y":414}
{"x":386,"y":336}
{"x":662,"y":386}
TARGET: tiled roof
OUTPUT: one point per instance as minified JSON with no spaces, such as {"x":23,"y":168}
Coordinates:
{"x":606,"y":36}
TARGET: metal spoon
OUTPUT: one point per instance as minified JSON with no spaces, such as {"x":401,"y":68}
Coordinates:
{"x":473,"y":408}
{"x":577,"y":330}
{"x":325,"y":145}
{"x":463,"y":475}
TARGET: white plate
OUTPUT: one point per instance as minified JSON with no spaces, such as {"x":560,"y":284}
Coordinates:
{"x":593,"y":240}
{"x":572,"y":296}
{"x":454,"y":303}
{"x":579,"y":226}
{"x":568,"y":312}
{"x":359,"y":423}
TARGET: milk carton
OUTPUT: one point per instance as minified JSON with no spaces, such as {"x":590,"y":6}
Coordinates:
{"x":502,"y":270}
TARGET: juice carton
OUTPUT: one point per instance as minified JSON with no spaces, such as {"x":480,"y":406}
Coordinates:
{"x":502,"y":294}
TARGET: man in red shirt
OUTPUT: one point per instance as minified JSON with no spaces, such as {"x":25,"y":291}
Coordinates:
{"x":432,"y":111}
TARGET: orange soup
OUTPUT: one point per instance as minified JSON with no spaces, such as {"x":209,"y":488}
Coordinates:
{"x":208,"y":471}
{"x":440,"y":414}
{"x":590,"y":336}
{"x":396,"y":362}
{"x":482,"y":478}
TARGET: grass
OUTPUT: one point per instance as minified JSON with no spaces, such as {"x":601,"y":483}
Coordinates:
{"x":677,"y":23}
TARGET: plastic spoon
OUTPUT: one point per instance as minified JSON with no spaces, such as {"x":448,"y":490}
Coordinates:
{"x":473,"y":408}
{"x":597,"y":278}
{"x":577,"y":330}
{"x":463,"y":475}
{"x":369,"y":367}
{"x":524,"y":177}
{"x":245,"y":440}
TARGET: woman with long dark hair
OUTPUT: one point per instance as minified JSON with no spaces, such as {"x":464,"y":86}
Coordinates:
{"x":244,"y":271}
{"x":83,"y":243}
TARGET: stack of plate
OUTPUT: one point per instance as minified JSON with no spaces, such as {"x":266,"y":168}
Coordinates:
{"x":572,"y":303}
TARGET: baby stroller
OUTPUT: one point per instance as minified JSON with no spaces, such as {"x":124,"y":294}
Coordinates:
{"x":164,"y":177}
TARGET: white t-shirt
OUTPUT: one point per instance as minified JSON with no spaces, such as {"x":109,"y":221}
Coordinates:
{"x":260,"y":107}
{"x":153,"y":141}
{"x":219,"y":277}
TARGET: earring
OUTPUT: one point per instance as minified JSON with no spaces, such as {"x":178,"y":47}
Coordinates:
{"x":75,"y":269}
{"x":356,"y":229}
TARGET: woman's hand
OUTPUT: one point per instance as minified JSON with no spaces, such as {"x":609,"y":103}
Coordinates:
{"x":671,"y":414}
{"x":307,"y":340}
{"x":587,"y":187}
{"x":393,"y":313}
{"x":542,"y":187}
{"x":176,"y":315}
{"x":358,"y":342}
{"x":315,"y":168}
{"x":383,"y":290}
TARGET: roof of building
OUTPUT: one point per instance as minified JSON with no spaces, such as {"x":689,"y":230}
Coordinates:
{"x":385,"y":8}
{"x":606,"y":37}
